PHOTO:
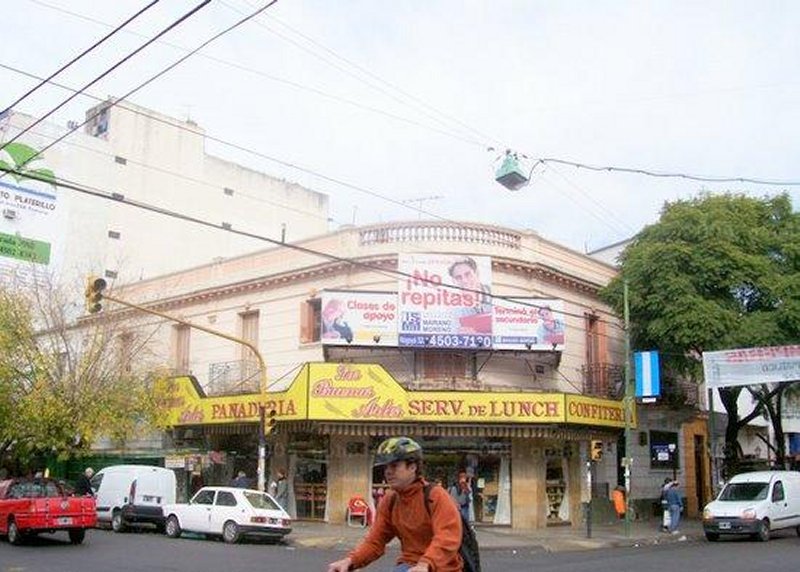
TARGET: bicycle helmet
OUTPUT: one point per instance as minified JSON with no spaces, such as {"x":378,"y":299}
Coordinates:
{"x":397,"y":449}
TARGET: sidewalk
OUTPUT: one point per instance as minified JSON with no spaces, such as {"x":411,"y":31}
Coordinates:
{"x":552,"y":539}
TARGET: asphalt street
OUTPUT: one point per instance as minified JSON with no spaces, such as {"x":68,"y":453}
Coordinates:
{"x":105,"y":550}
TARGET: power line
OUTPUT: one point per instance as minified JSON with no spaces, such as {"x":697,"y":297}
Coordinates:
{"x":79,"y":56}
{"x":173,"y":25}
{"x":177,"y":62}
{"x":117,"y":198}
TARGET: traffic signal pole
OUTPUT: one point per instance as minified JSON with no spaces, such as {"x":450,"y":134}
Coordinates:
{"x":629,"y":401}
{"x":97,"y":294}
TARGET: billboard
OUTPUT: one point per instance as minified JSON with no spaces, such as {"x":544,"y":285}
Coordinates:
{"x":444,"y":301}
{"x":360,"y":318}
{"x":748,"y":366}
{"x":32,"y":219}
{"x":528,"y":323}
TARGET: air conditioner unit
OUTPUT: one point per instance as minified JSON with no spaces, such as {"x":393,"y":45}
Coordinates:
{"x":9,"y":214}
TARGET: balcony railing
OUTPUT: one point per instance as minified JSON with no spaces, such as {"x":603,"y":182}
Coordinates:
{"x":606,"y":380}
{"x":438,"y":232}
{"x":232,"y":377}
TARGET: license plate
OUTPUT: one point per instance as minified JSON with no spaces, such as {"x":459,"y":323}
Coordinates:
{"x":64,"y":520}
{"x":724,"y":525}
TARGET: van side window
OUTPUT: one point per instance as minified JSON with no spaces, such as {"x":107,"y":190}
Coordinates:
{"x":777,"y":492}
{"x":225,"y":499}
{"x":96,"y":480}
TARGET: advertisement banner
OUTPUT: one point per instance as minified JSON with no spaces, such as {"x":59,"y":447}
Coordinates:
{"x":444,"y":301}
{"x":367,"y":392}
{"x":528,"y":323}
{"x":359,"y":318}
{"x":748,"y":366}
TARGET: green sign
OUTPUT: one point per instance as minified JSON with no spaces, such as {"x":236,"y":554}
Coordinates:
{"x":13,"y":246}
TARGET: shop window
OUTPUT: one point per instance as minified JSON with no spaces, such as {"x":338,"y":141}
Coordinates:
{"x":310,"y":320}
{"x":310,"y":475}
{"x":664,"y":450}
{"x":443,"y":365}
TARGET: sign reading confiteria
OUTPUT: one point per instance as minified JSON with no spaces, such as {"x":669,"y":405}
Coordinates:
{"x":748,"y":366}
{"x":366,"y":392}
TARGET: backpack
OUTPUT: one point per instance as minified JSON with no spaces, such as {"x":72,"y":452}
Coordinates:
{"x":468,"y":550}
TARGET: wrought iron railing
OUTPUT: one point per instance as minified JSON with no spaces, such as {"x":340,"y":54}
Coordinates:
{"x":231,"y":377}
{"x":606,"y":380}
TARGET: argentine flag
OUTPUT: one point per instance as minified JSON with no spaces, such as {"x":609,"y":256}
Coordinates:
{"x":648,"y":376}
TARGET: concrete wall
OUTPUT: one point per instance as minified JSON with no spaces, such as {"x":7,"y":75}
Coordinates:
{"x":528,"y":497}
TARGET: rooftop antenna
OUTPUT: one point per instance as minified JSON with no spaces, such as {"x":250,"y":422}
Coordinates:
{"x":420,"y":200}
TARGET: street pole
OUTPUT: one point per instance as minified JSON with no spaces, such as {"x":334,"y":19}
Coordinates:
{"x":262,"y":368}
{"x":589,"y":504}
{"x":629,"y":400}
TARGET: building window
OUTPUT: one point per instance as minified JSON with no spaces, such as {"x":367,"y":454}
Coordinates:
{"x":228,"y":191}
{"x":114,"y":234}
{"x":110,"y":274}
{"x":310,"y":320}
{"x":664,"y":450}
{"x":248,"y":331}
{"x":180,"y":348}
{"x":443,"y":365}
{"x":120,"y":160}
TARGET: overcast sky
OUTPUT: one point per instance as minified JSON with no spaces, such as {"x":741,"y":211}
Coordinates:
{"x":403,"y":99}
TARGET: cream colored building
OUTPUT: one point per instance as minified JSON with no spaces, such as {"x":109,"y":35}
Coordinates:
{"x":139,"y":155}
{"x":518,"y":415}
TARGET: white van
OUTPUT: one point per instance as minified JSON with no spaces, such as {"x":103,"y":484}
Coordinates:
{"x":755,"y":504}
{"x":133,"y":494}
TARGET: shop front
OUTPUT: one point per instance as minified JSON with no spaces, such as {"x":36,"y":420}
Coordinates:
{"x":523,"y":452}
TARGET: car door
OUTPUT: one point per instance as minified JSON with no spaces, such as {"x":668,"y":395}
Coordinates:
{"x":779,"y":509}
{"x":226,"y":507}
{"x":197,"y":514}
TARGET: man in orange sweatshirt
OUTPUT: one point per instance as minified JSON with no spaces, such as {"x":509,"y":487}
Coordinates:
{"x":429,"y":539}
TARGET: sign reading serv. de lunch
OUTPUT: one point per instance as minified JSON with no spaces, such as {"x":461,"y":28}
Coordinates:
{"x":444,"y":301}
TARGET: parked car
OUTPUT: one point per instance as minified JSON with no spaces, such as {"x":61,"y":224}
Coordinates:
{"x":755,"y":504}
{"x":33,"y":506}
{"x":133,"y":495}
{"x":229,"y":512}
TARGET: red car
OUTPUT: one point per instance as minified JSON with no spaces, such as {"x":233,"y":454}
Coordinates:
{"x":31,"y":506}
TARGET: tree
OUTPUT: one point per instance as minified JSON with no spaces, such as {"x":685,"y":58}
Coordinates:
{"x":715,"y":272}
{"x":64,"y":383}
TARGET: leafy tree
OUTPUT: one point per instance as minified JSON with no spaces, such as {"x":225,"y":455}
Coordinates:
{"x":64,"y":384}
{"x":715,"y":272}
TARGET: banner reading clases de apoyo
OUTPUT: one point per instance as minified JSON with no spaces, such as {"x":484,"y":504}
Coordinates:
{"x":359,"y":318}
{"x":444,"y":301}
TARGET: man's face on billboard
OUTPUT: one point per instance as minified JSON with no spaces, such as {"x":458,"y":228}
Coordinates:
{"x":465,"y":276}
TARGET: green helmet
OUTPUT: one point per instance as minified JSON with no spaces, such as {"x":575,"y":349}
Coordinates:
{"x":397,"y":449}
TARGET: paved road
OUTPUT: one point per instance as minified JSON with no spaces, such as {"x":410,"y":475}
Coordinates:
{"x":140,"y":552}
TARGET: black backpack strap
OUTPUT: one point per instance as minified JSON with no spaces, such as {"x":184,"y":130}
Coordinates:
{"x":426,"y":492}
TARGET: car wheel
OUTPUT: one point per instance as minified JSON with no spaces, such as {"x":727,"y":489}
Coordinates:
{"x":230,"y":532}
{"x":173,"y":527}
{"x":712,"y":536}
{"x":763,"y":531}
{"x":76,"y":535}
{"x":117,"y":522}
{"x":14,"y":535}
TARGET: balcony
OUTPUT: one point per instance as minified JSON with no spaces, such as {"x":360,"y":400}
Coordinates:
{"x":233,"y":377}
{"x":438,"y":232}
{"x":604,"y":380}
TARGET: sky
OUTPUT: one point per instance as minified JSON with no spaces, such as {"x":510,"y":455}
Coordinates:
{"x":402,"y":110}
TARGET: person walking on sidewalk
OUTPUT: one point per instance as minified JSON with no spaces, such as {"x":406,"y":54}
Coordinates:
{"x":461,"y":492}
{"x":675,"y":504}
{"x":430,"y":536}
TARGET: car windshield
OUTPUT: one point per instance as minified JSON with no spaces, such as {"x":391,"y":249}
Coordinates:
{"x":744,"y":492}
{"x":260,"y":500}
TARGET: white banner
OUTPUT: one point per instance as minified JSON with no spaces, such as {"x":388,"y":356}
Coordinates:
{"x":528,"y":323}
{"x":433,"y":313}
{"x":749,"y":366}
{"x":359,"y":318}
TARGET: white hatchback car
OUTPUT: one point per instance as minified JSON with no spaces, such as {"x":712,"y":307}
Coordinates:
{"x":228,"y":512}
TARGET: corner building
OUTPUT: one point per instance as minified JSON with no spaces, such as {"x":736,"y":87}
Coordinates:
{"x":487,"y":345}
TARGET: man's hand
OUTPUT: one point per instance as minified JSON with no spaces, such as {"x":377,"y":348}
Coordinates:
{"x":419,"y":567}
{"x":343,"y":565}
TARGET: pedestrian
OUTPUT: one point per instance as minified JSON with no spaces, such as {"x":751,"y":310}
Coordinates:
{"x":664,"y":505}
{"x":675,"y":504}
{"x":241,"y":481}
{"x":618,"y":499}
{"x":279,"y":489}
{"x":430,"y":536}
{"x":83,"y":486}
{"x":461,"y":492}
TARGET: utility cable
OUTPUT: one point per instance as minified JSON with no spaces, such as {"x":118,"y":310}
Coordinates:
{"x":147,"y":82}
{"x":79,"y":56}
{"x":166,"y":30}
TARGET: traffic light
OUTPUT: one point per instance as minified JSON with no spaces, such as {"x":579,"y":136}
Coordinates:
{"x":596,"y":450}
{"x":94,"y":294}
{"x":269,"y":423}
